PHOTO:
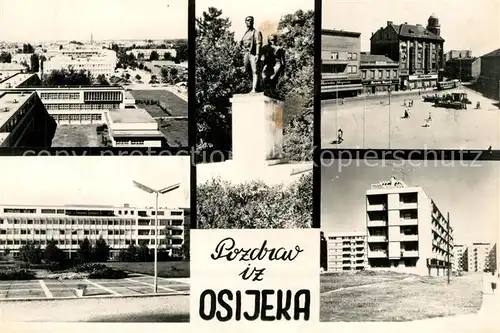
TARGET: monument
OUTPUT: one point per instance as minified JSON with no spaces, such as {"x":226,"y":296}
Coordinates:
{"x":257,"y":117}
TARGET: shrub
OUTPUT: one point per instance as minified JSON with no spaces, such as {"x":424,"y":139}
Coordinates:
{"x":108,"y":273}
{"x":17,"y":274}
{"x":88,"y":268}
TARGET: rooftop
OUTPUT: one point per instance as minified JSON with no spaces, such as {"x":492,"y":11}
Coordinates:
{"x":15,"y":80}
{"x":334,"y":32}
{"x":495,"y":53}
{"x":77,"y":206}
{"x":388,"y":184}
{"x":11,"y":67}
{"x":414,"y":31}
{"x":9,"y":104}
{"x":346,"y":234}
{"x":130,"y":116}
{"x":367,"y":58}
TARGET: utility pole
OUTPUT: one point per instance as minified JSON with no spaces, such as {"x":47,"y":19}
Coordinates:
{"x":448,"y":254}
{"x":389,"y":118}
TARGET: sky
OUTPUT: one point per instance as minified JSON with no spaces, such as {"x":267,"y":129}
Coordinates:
{"x":43,"y":20}
{"x":465,"y":24}
{"x":262,"y":10}
{"x":93,"y":180}
{"x":470,"y":194}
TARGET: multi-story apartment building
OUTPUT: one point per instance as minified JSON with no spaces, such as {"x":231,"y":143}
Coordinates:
{"x":346,"y":252}
{"x":493,"y":258}
{"x":340,"y":63}
{"x":460,"y":260}
{"x":378,"y":73}
{"x":406,"y":231}
{"x":68,"y":226}
{"x":417,"y":49}
{"x":24,"y":121}
{"x":146,"y":53}
{"x":479,"y":257}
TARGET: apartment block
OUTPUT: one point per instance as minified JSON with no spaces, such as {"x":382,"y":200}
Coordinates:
{"x":479,"y":258}
{"x":460,"y":258}
{"x":346,"y":252}
{"x":406,"y":231}
{"x":68,"y":226}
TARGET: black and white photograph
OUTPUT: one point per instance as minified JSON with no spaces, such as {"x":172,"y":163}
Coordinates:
{"x":95,"y":239}
{"x":75,"y":76}
{"x":410,"y":241}
{"x":254,"y":70}
{"x":410,"y":74}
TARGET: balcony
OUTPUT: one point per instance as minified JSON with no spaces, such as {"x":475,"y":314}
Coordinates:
{"x":377,"y":254}
{"x":407,"y":205}
{"x":408,"y":222}
{"x":377,"y":223}
{"x":375,"y":239}
{"x":376,"y":207}
{"x":408,"y":238}
{"x":409,"y":254}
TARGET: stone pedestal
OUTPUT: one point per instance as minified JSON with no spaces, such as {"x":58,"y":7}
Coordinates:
{"x":257,"y":128}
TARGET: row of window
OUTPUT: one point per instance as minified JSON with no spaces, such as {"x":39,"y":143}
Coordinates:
{"x":121,"y":222}
{"x":141,"y":213}
{"x":339,"y":68}
{"x":343,"y":56}
{"x":103,"y":96}
{"x":60,"y":95}
{"x":18,"y":116}
{"x":370,"y":74}
{"x":109,"y":242}
{"x":86,"y":232}
{"x":126,"y":142}
{"x":99,"y":106}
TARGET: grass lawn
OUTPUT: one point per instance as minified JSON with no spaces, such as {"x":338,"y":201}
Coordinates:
{"x":76,"y":136}
{"x":176,"y":106}
{"x":332,"y":281}
{"x":167,"y":269}
{"x":412,"y":299}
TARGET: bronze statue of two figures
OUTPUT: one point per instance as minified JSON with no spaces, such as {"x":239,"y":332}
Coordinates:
{"x":264,"y":64}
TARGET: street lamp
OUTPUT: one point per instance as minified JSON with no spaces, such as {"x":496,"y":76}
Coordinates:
{"x":157,"y":193}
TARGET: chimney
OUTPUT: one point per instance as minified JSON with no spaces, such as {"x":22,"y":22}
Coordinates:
{"x":406,"y":22}
{"x":389,"y":22}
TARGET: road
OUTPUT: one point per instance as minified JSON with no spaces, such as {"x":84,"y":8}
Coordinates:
{"x":380,"y":125}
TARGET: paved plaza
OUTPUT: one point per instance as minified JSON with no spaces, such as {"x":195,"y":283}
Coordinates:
{"x":368,"y":127}
{"x":135,"y":285}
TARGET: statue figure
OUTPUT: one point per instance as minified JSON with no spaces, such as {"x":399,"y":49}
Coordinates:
{"x":252,"y":44}
{"x":273,"y":59}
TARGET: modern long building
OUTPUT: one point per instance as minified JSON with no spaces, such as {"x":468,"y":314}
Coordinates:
{"x":417,"y":49}
{"x":346,"y":252}
{"x":68,"y":226}
{"x":406,"y":231}
{"x":460,"y":258}
{"x":146,"y":53}
{"x":340,"y":63}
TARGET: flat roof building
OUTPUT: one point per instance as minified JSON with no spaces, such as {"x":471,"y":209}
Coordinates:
{"x":406,"y":231}
{"x":346,"y":252}
{"x":133,"y":128}
{"x":69,"y":225}
{"x":479,"y":257}
{"x":460,"y":258}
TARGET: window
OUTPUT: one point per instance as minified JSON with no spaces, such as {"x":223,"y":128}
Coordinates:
{"x":395,"y":73}
{"x":372,"y":74}
{"x":388,"y":74}
{"x":380,"y":74}
{"x":334,"y":55}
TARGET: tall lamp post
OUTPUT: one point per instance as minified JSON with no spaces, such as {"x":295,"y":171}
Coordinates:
{"x":157,"y":193}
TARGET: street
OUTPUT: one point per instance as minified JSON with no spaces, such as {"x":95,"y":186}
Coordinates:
{"x":368,"y":127}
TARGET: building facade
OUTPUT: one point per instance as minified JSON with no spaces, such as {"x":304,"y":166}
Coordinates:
{"x":460,"y":258}
{"x":68,"y":226}
{"x":378,"y":73}
{"x":146,"y":53}
{"x":95,"y":61}
{"x":489,"y":79}
{"x":418,"y":50}
{"x":346,"y":252}
{"x":457,"y":54}
{"x":479,"y":257}
{"x":406,"y":231}
{"x":340,"y":63}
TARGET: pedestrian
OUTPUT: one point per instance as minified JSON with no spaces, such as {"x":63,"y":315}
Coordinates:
{"x":340,"y":136}
{"x":493,"y":282}
{"x":430,"y":116}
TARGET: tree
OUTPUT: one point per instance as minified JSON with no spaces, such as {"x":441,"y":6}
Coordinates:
{"x":35,"y":63}
{"x":101,"y":80}
{"x":5,"y":57}
{"x":167,"y":56}
{"x":169,"y":74}
{"x":138,"y":77}
{"x":181,"y":49}
{"x":140,"y":56}
{"x":221,"y":204}
{"x":27,"y":48}
{"x":127,"y":76}
{"x":154,"y":78}
{"x":143,"y":253}
{"x":101,"y":250}
{"x":52,"y":253}
{"x":115,"y":47}
{"x":31,"y":253}
{"x":154,"y":56}
{"x":64,"y":77}
{"x":85,"y":250}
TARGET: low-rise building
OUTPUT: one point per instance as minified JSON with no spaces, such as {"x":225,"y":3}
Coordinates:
{"x":133,"y":128}
{"x":378,"y":73}
{"x":146,"y":53}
